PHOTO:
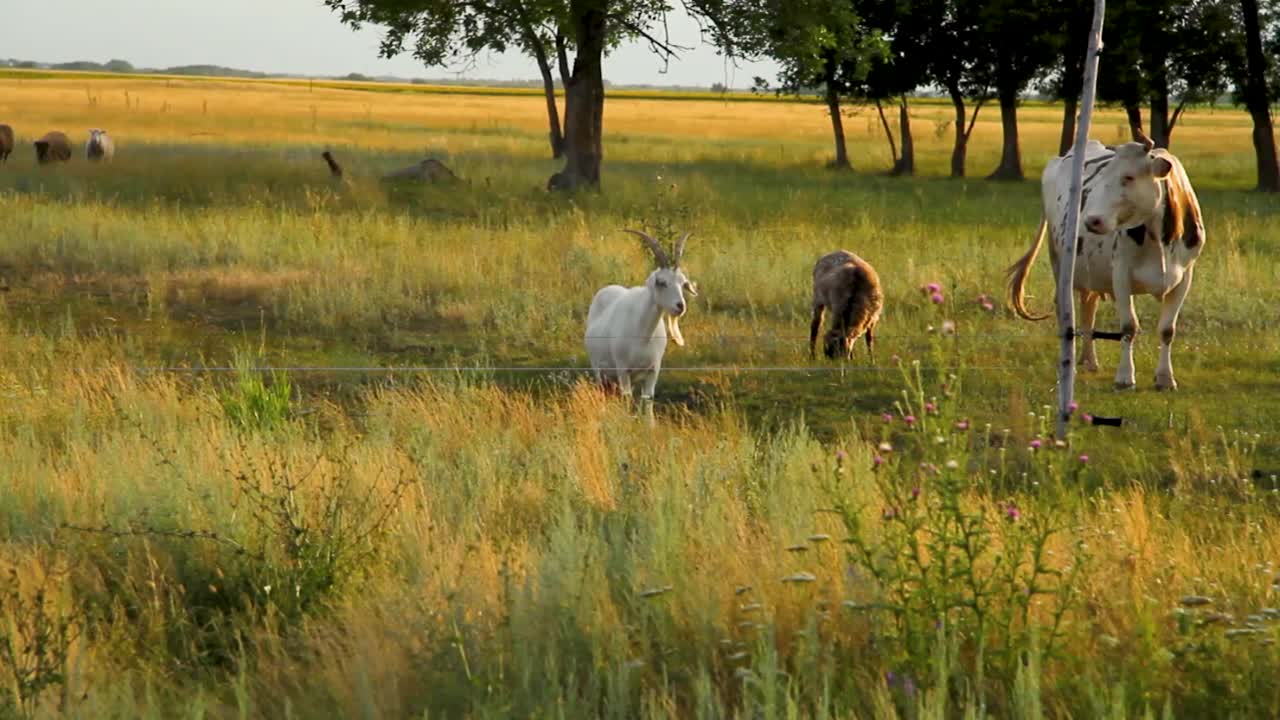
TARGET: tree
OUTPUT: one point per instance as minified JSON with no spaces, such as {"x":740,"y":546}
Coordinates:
{"x":1024,"y":42}
{"x":1163,"y":51}
{"x":448,"y":31}
{"x":817,"y":43}
{"x":1257,"y":98}
{"x":1065,"y":81}
{"x":898,"y":72}
{"x":445,"y":33}
{"x":958,"y":62}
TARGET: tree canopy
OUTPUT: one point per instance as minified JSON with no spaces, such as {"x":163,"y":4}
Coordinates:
{"x":1161,"y":55}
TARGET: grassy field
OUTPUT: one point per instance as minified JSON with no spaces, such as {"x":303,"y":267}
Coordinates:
{"x":488,"y":536}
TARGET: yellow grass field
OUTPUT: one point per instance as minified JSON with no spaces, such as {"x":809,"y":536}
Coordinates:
{"x":275,"y":447}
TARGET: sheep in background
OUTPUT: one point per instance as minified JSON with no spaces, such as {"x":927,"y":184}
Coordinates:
{"x":53,"y":147}
{"x":627,"y":328}
{"x":100,"y":146}
{"x":6,"y":142}
{"x":430,"y":170}
{"x":848,"y":286}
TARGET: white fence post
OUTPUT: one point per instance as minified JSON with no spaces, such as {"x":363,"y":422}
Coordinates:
{"x":1071,"y":230}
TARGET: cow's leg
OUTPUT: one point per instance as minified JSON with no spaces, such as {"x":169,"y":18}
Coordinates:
{"x":1169,"y":309}
{"x":1123,"y":288}
{"x":814,"y":326}
{"x":1088,"y":317}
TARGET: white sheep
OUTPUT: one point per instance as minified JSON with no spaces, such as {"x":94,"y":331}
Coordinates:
{"x":627,"y":328}
{"x":100,"y":146}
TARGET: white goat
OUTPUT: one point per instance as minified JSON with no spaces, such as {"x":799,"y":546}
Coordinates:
{"x":100,"y":146}
{"x":627,"y":328}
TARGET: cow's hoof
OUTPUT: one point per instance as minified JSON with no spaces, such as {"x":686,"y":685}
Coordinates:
{"x":1166,"y":383}
{"x":1125,"y":385}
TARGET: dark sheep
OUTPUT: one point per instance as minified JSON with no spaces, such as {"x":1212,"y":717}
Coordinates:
{"x":6,"y":142}
{"x":850,"y":288}
{"x":53,"y":147}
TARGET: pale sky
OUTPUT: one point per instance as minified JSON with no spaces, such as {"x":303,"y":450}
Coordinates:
{"x":299,"y":37}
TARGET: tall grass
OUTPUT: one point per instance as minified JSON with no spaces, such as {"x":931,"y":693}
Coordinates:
{"x":556,"y":556}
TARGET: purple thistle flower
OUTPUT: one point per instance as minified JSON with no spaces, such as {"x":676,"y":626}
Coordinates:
{"x":1073,"y":406}
{"x":915,"y":493}
{"x":1012,"y":513}
{"x":841,"y":455}
{"x":1035,"y":444}
{"x":910,"y":419}
{"x":887,"y":417}
{"x":930,"y":408}
{"x":936,"y":298}
{"x":908,"y":687}
{"x":1087,"y":418}
{"x":1084,"y":458}
{"x":933,"y":287}
{"x":877,"y":461}
{"x":963,"y":424}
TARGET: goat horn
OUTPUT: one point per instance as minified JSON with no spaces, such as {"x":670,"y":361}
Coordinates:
{"x":658,"y":253}
{"x":680,"y":246}
{"x":1140,"y":136}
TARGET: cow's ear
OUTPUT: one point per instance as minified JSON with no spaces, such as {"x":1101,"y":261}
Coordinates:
{"x":1161,"y":165}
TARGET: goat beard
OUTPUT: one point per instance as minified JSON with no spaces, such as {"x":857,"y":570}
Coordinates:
{"x":673,"y":329}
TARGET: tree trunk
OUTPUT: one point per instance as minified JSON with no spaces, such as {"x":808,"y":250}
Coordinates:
{"x":837,"y":128}
{"x":837,"y":121}
{"x":1068,"y":137}
{"x":906,"y":164}
{"x":960,"y":150}
{"x":1010,"y":167}
{"x":562,"y":59}
{"x":538,"y":48}
{"x":1134,"y":115}
{"x":1257,"y":101}
{"x":1160,"y":128}
{"x":584,"y":100}
{"x":549,"y":90}
{"x":893,"y":148}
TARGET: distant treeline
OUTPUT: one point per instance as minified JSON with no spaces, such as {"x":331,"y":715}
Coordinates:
{"x":126,"y":67}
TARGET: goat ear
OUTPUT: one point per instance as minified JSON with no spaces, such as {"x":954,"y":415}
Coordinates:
{"x":692,"y":288}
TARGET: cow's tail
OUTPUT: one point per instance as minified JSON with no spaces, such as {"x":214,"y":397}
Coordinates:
{"x":1018,"y":272}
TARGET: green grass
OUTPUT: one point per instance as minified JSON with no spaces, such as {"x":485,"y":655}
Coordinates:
{"x":482,"y":541}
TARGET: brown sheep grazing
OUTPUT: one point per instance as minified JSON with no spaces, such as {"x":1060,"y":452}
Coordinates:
{"x":53,"y":147}
{"x":849,"y":287}
{"x":6,"y":142}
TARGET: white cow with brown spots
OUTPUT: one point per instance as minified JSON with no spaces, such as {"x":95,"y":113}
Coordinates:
{"x":1140,"y":233}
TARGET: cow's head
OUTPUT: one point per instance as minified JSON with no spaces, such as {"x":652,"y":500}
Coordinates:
{"x":1128,"y":191}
